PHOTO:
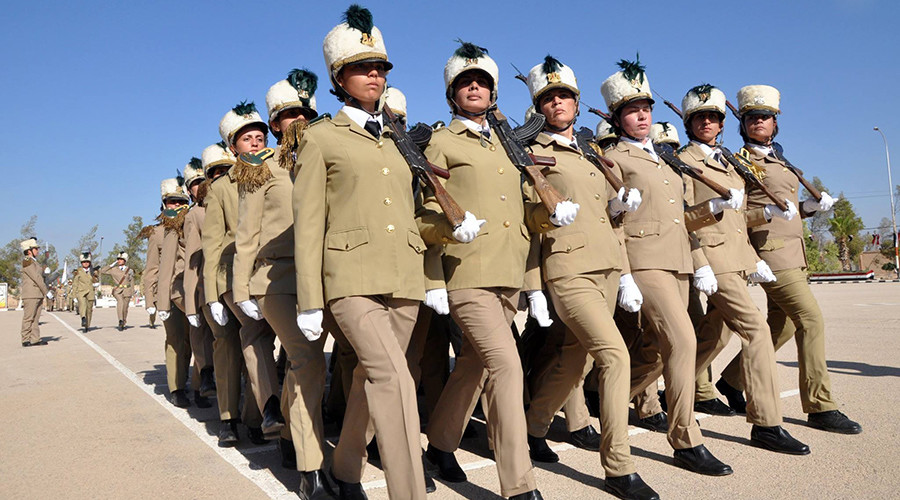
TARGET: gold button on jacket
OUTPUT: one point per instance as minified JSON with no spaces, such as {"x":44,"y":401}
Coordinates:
{"x":217,"y":237}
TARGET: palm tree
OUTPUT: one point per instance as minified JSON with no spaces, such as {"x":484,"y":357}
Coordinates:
{"x":844,"y":228}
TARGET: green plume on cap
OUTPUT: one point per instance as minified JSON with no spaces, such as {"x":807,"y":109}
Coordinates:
{"x":665,"y":126}
{"x":632,"y":70}
{"x":358,"y":17}
{"x":702,"y":91}
{"x":196,"y":163}
{"x":179,"y":178}
{"x":551,"y":65}
{"x":244,"y":108}
{"x":222,"y":145}
{"x":303,"y":79}
{"x":470,"y":50}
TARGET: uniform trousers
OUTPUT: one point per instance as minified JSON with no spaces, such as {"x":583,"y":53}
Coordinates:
{"x":178,"y":349}
{"x":488,"y":360}
{"x":379,"y":327}
{"x":228,"y":364}
{"x":304,"y":382}
{"x":794,"y":313}
{"x":201,"y":340}
{"x":733,"y":311}
{"x":258,"y":346}
{"x":86,"y":307}
{"x":31,"y":309}
{"x":585,"y":305}
{"x":428,"y":355}
{"x":121,"y":303}
{"x":670,"y":346}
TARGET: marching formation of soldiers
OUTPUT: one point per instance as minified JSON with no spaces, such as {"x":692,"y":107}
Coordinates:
{"x":337,"y":231}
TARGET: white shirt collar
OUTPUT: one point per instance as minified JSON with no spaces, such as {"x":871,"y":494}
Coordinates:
{"x":474,"y":127}
{"x":646,"y":145}
{"x":360,"y":117}
{"x":565,"y":141}
{"x":764,"y":150}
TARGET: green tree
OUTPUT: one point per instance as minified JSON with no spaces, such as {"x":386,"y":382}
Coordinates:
{"x":885,"y":230}
{"x":87,"y":243}
{"x":821,"y":256}
{"x":819,"y":224}
{"x":134,"y":245}
{"x":11,"y":254}
{"x":845,"y":228}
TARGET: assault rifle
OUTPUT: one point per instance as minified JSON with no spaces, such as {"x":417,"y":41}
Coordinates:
{"x":423,"y":169}
{"x":666,"y":152}
{"x":519,"y":157}
{"x":778,"y":153}
{"x":590,"y":151}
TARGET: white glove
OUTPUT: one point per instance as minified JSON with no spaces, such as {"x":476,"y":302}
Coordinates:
{"x":217,"y":309}
{"x":618,"y":204}
{"x":705,"y":280}
{"x":436,"y":299}
{"x":251,"y":309}
{"x":468,"y":228}
{"x":151,"y":311}
{"x":630,"y":297}
{"x":50,"y":295}
{"x":565,"y":213}
{"x":823,"y":205}
{"x":163,"y":315}
{"x":735,"y":201}
{"x":310,"y":323}
{"x":96,"y":285}
{"x":763,"y":273}
{"x":537,"y":308}
{"x":194,"y":320}
{"x":773,"y":211}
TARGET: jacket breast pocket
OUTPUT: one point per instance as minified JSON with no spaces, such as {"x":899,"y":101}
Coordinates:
{"x":711,"y":239}
{"x":415,"y":241}
{"x":641,"y":229}
{"x":567,"y":243}
{"x":347,"y":239}
{"x":763,"y":244}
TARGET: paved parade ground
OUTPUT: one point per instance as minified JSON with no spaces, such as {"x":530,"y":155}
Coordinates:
{"x":86,"y":417}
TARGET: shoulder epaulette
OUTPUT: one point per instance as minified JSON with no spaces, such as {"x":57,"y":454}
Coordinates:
{"x":26,"y":263}
{"x":319,"y":119}
{"x":265,"y":154}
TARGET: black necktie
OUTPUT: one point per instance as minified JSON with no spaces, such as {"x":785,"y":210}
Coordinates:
{"x":486,"y":133}
{"x":373,"y":128}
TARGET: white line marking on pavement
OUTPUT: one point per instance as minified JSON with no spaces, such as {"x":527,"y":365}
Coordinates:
{"x":371,"y":485}
{"x":261,"y":478}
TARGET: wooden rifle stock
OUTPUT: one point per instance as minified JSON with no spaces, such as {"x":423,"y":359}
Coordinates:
{"x":592,"y":152}
{"x":751,"y":178}
{"x":423,"y":169}
{"x":674,"y":108}
{"x":519,"y":157}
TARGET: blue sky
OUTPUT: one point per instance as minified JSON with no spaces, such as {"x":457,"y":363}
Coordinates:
{"x":104,"y":99}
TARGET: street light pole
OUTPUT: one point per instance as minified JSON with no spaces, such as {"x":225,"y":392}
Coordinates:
{"x":894,"y":236}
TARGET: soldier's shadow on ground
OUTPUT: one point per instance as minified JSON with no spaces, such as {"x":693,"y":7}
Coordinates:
{"x":854,"y":368}
{"x":727,"y":437}
{"x":260,"y":456}
{"x":51,"y":339}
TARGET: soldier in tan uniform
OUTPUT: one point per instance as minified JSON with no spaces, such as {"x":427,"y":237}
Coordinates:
{"x":150,"y":277}
{"x":586,"y":271}
{"x":265,"y":279}
{"x":70,"y":297}
{"x":32,"y":292}
{"x":178,"y":347}
{"x":482,"y":280}
{"x":660,"y":252}
{"x":123,"y":285}
{"x":243,"y":131}
{"x":358,"y":252}
{"x":727,"y":251}
{"x":84,"y":281}
{"x":228,"y":358}
{"x":792,"y":308}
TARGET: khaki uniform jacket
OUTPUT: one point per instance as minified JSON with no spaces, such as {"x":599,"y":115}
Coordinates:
{"x":217,"y":236}
{"x":656,"y":234}
{"x":83,"y":284}
{"x":264,"y":261}
{"x":484,"y":182}
{"x":171,"y":270}
{"x":356,"y":231}
{"x":150,"y":279}
{"x":590,"y":243}
{"x":193,"y":255}
{"x":33,"y":286}
{"x":126,"y":278}
{"x":725,"y":244}
{"x":778,"y":242}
